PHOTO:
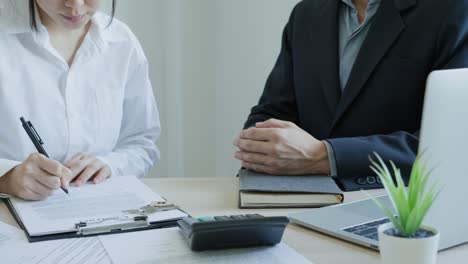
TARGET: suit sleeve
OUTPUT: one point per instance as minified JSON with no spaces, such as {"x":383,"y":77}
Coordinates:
{"x":278,"y":99}
{"x":352,"y":154}
{"x":352,"y":157}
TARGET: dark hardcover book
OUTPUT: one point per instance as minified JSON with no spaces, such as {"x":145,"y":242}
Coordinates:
{"x":266,"y":191}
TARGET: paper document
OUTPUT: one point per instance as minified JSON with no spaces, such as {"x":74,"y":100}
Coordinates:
{"x":69,"y":251}
{"x":60,"y":212}
{"x":8,"y":232}
{"x":169,"y":246}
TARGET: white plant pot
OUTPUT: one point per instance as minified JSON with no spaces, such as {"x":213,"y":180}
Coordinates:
{"x":408,"y":250}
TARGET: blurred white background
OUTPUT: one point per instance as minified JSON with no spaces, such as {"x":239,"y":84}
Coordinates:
{"x":209,"y":60}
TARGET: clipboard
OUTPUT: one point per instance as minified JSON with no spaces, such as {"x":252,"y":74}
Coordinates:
{"x":98,"y":227}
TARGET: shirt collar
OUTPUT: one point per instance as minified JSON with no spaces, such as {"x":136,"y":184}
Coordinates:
{"x":101,"y":28}
{"x":109,"y":32}
{"x":351,"y":4}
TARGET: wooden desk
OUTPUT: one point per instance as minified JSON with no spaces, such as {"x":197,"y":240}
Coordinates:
{"x":219,"y":196}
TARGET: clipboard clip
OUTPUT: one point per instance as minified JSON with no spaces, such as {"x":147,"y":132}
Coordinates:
{"x":154,"y":207}
{"x":125,"y":221}
{"x":94,"y":226}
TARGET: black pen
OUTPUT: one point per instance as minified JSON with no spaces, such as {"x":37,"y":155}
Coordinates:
{"x":36,"y":139}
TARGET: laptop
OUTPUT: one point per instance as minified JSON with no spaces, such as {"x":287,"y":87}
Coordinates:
{"x":444,"y":135}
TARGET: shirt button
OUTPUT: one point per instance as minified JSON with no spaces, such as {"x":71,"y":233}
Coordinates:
{"x":361,"y":181}
{"x":370,"y":180}
{"x":379,"y":181}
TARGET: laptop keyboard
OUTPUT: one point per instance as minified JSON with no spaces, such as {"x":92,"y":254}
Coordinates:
{"x":368,"y":229}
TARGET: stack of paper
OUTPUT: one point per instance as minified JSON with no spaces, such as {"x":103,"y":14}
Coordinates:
{"x":15,"y":249}
{"x":61,"y":212}
{"x":8,"y":233}
{"x":68,"y":251}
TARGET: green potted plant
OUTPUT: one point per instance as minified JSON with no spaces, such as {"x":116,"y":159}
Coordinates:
{"x":405,"y":239}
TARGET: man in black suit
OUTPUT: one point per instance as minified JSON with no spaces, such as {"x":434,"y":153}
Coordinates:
{"x":350,"y":80}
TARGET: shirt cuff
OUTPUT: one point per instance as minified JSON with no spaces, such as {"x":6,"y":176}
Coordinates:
{"x":7,"y":165}
{"x":331,"y":159}
{"x":5,"y":196}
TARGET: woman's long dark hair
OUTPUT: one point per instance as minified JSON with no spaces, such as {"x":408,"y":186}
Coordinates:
{"x":32,"y":13}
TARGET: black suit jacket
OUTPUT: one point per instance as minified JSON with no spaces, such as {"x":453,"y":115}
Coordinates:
{"x":381,"y":106}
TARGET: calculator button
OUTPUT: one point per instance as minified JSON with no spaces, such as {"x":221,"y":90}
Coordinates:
{"x":190,"y":221}
{"x":222,"y":218}
{"x":206,"y":218}
{"x":254,"y":216}
{"x":238,"y":217}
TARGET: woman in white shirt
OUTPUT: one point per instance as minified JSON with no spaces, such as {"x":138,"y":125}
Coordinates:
{"x":81,"y":78}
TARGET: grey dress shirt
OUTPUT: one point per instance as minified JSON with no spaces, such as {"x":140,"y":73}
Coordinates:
{"x":352,"y":35}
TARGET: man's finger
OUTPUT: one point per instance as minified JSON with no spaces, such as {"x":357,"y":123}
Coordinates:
{"x":255,"y":158}
{"x":262,"y":134}
{"x":247,"y":145}
{"x":273,"y":123}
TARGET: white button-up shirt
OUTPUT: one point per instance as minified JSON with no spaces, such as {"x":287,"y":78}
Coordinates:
{"x":102,"y":105}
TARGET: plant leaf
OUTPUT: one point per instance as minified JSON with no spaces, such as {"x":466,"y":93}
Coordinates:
{"x":413,"y":222}
{"x":401,"y":196}
{"x":415,"y":181}
{"x":395,"y":221}
{"x":410,"y":204}
{"x":386,"y":179}
{"x":428,"y":200}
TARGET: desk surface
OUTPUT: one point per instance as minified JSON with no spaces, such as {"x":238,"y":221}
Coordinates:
{"x":219,"y":196}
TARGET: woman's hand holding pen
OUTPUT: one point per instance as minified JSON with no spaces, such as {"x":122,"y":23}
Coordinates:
{"x":85,"y":167}
{"x":38,"y":176}
{"x":35,"y":179}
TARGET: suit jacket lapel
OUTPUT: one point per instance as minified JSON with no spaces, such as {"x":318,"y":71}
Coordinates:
{"x":386,"y":27}
{"x":326,"y":37}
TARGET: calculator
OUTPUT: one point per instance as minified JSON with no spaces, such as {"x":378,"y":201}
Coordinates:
{"x":235,"y":231}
